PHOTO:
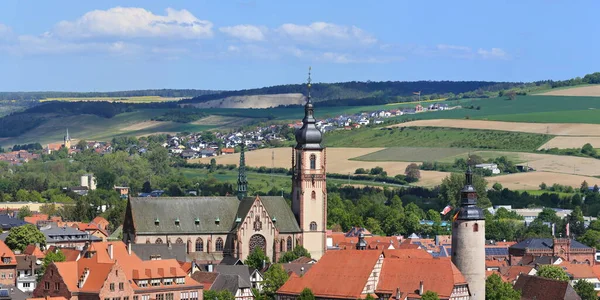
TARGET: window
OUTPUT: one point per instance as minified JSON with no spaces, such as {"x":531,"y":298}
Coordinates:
{"x":289,"y":243}
{"x":313,"y":226}
{"x":116,"y":298}
{"x":3,"y":276}
{"x":199,"y":245}
{"x":168,"y":281}
{"x":160,"y":296}
{"x":121,"y":286}
{"x":281,"y":245}
{"x":313,"y":162}
{"x":313,"y":195}
{"x":46,"y":285}
{"x":169,"y":296}
{"x":158,"y":241}
{"x":142,"y":283}
{"x":56,"y":286}
{"x":155,"y":282}
{"x":112,"y":287}
{"x":6,"y":260}
{"x":10,"y":275}
{"x":180,"y":280}
{"x":219,"y":244}
{"x":193,"y":296}
{"x":106,"y":298}
{"x":136,"y":297}
{"x":26,"y":284}
{"x":475,"y":227}
{"x":184,"y":296}
{"x":145,"y":297}
{"x":126,"y":298}
{"x":179,"y":241}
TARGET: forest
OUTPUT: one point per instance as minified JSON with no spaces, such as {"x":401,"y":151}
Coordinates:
{"x":176,"y":93}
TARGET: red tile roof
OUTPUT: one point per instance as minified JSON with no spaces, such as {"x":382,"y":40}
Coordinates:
{"x":338,"y":274}
{"x":36,"y":218}
{"x":48,"y":298}
{"x":579,"y":271}
{"x":71,"y":254}
{"x":100,"y":221}
{"x":406,"y":253}
{"x":438,"y":275}
{"x":540,"y":288}
{"x":6,"y":252}
{"x":205,"y":278}
{"x":511,"y":273}
{"x":33,"y":250}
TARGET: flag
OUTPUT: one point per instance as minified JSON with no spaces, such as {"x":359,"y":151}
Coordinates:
{"x":455,"y":216}
{"x":568,"y":230}
{"x":417,"y":93}
{"x":446,"y":210}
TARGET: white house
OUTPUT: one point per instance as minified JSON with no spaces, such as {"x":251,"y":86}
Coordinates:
{"x":491,"y":167}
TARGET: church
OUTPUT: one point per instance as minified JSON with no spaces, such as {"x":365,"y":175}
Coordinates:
{"x":213,"y":228}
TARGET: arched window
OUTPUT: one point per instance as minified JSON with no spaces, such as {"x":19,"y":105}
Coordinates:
{"x":313,"y":195}
{"x":199,"y":245}
{"x":259,"y":241}
{"x":158,"y":241}
{"x":282,"y":242}
{"x":147,"y":241}
{"x":475,"y":227}
{"x":219,"y":244}
{"x":289,"y":243}
{"x":313,"y":161}
{"x":179,"y":241}
{"x":313,"y":226}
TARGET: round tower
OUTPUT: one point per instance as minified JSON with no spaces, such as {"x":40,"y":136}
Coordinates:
{"x":468,"y":240}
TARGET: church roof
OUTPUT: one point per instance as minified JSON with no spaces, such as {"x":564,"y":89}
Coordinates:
{"x":147,"y":210}
{"x":544,"y":243}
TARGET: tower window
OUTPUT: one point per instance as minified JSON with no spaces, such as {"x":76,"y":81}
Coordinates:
{"x":158,"y":241}
{"x":313,"y":195}
{"x":289,"y":244}
{"x":313,"y":226}
{"x":313,"y":161}
{"x":219,"y":244}
{"x":475,"y":227}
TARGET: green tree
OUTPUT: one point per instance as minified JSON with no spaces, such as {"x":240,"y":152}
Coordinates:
{"x":543,"y":186}
{"x":590,"y":238}
{"x":48,"y":209}
{"x":497,"y":186}
{"x":584,"y":187}
{"x":430,"y":295}
{"x":585,"y":290}
{"x":274,"y":278}
{"x":256,"y":258}
{"x":106,"y":179}
{"x":297,"y":252}
{"x":24,"y":212}
{"x":549,"y":215}
{"x":213,"y":165}
{"x":22,"y":195}
{"x":20,"y":237}
{"x":158,"y":157}
{"x":552,"y":272}
{"x":82,"y":145}
{"x":306,"y":294}
{"x":496,"y":289}
{"x":412,"y":172}
{"x":588,"y":149}
{"x":218,"y":295}
{"x":454,"y":183}
{"x":51,"y":256}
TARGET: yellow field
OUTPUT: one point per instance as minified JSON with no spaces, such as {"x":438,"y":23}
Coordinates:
{"x":583,"y":91}
{"x":565,"y":142}
{"x":532,"y":180}
{"x":141,"y":99}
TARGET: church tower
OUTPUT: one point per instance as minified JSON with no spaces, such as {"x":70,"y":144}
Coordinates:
{"x":309,"y":190}
{"x":242,"y":181}
{"x":468,"y":240}
{"x":67,"y":140}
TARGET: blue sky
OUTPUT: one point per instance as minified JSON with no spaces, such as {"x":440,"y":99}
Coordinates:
{"x":124,"y":45}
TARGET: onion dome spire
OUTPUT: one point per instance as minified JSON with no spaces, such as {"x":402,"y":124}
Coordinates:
{"x":309,"y":137}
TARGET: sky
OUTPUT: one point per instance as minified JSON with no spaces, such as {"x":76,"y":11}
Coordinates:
{"x":239,"y":44}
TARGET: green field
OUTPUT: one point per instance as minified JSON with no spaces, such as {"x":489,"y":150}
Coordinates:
{"x":412,"y":154}
{"x":540,"y":192}
{"x":140,"y":99}
{"x":436,"y":137}
{"x":514,"y":157}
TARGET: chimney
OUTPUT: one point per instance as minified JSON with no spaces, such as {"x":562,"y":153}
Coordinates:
{"x":397,"y":293}
{"x":110,"y":251}
{"x":301,"y":271}
{"x":421,"y":287}
{"x":129,"y":246}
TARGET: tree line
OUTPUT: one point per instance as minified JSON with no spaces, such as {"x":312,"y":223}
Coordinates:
{"x":172,"y":93}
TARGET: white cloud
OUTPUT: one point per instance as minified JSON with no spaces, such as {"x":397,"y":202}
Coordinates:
{"x":453,"y":48}
{"x":326,"y":33}
{"x":232,"y":48}
{"x":133,"y":22}
{"x":5,"y":30}
{"x":494,"y":53}
{"x":245,"y":32}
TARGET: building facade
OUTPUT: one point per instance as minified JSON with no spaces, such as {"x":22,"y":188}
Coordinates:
{"x":217,"y":227}
{"x":468,"y":240}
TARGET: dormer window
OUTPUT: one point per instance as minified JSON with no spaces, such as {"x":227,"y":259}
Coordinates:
{"x":180,"y":280}
{"x":156,"y":222}
{"x":197,"y":221}
{"x":177,"y":222}
{"x":217,"y":221}
{"x":6,"y":260}
{"x":142,"y":283}
{"x":155,"y":282}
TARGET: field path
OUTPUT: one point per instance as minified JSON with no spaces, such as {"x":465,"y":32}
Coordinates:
{"x":566,"y":129}
{"x":588,"y":91}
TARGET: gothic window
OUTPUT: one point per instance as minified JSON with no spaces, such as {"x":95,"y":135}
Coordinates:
{"x":475,"y":227}
{"x":313,"y":195}
{"x":259,"y":241}
{"x":158,"y":241}
{"x":289,"y":243}
{"x":313,"y":161}
{"x":313,"y":226}
{"x":257,"y":224}
{"x":219,"y":244}
{"x":179,"y":241}
{"x":281,"y":243}
{"x":147,"y":241}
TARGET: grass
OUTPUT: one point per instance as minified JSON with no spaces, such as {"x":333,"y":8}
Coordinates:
{"x":540,"y":192}
{"x":139,"y":99}
{"x":437,"y":138}
{"x":412,"y":154}
{"x":514,"y":157}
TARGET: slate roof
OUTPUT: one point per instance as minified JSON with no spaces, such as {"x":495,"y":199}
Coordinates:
{"x":68,"y":234}
{"x":172,"y":251}
{"x":540,"y":288}
{"x":229,"y":282}
{"x":205,"y":278}
{"x":145,"y":211}
{"x":240,"y":270}
{"x":544,"y":243}
{"x":7,"y":222}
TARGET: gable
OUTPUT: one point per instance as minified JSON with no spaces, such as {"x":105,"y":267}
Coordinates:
{"x":278,"y":209}
{"x":146,"y":210}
